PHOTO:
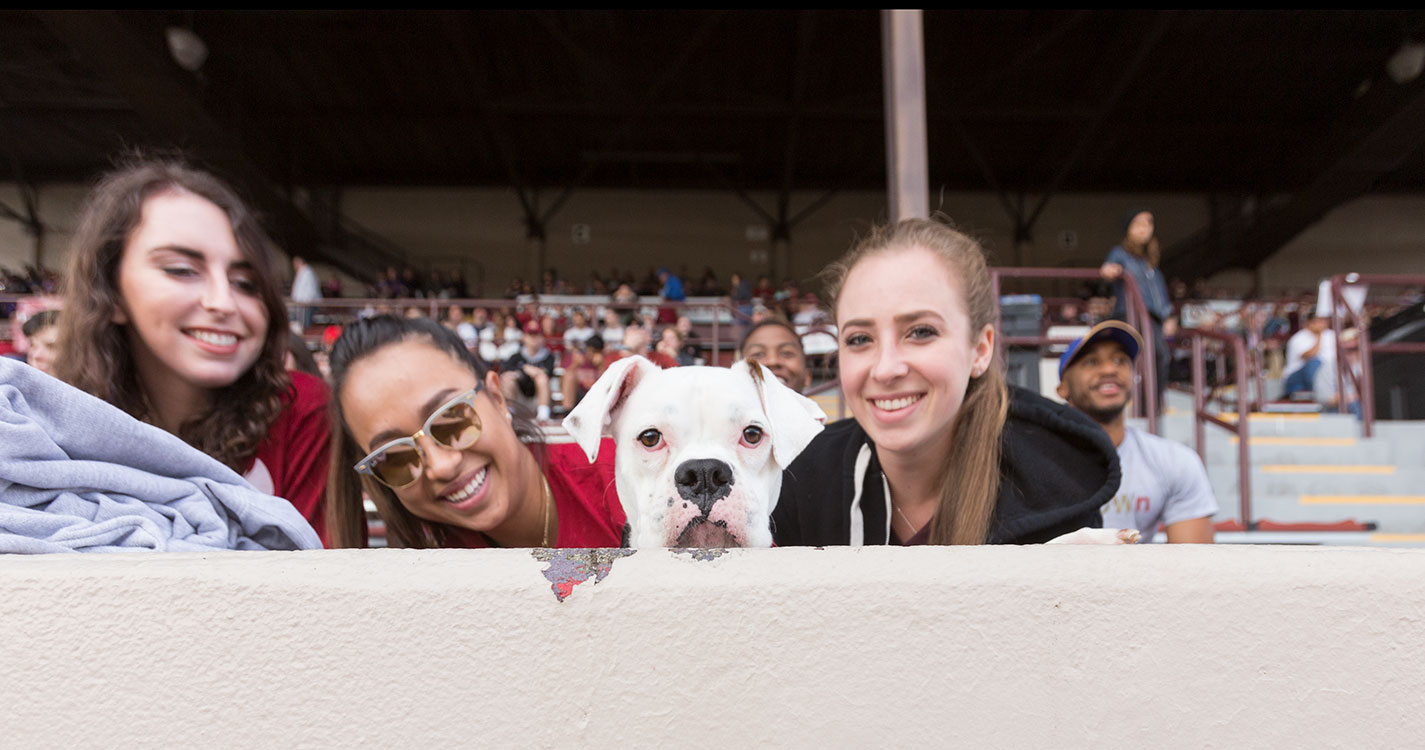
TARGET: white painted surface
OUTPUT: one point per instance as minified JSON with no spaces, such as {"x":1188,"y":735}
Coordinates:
{"x":1099,"y":647}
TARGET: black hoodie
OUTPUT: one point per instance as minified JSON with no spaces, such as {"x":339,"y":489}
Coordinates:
{"x":1057,"y":468}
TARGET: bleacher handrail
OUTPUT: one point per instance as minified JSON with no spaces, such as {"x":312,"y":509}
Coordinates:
{"x":1146,"y":402}
{"x":1201,"y":417}
{"x":1364,"y":380}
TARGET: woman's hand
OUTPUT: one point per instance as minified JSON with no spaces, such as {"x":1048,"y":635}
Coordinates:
{"x":1110,"y":271}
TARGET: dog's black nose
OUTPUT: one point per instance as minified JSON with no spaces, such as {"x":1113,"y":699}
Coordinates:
{"x":703,"y":481}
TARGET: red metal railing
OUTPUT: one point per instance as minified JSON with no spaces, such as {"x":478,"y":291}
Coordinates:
{"x":1201,"y":416}
{"x":1256,"y":369}
{"x":1363,"y":381}
{"x":1146,"y":403}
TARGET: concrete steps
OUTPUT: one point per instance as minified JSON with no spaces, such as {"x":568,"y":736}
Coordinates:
{"x":1401,"y":484}
{"x":1316,"y":468}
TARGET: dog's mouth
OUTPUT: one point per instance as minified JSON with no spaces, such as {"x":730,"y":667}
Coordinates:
{"x":703,"y":533}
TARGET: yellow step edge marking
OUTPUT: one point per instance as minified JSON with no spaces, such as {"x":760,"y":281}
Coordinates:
{"x":1325,"y":469}
{"x":1398,"y":537}
{"x":1362,"y":499}
{"x":1302,"y":441}
{"x":1231,"y":416}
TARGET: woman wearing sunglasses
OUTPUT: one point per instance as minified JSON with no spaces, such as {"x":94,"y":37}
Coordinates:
{"x":424,"y":430}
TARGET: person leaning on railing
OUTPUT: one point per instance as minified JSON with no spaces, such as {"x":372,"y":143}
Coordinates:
{"x":1137,"y":255}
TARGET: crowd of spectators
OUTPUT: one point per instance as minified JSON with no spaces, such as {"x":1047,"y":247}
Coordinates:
{"x":407,"y":284}
{"x":496,"y":334}
{"x":29,"y":280}
{"x":624,"y":287}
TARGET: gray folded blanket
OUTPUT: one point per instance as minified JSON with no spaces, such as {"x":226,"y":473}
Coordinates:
{"x":79,"y":475}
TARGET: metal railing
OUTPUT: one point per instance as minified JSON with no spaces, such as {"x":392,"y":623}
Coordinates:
{"x":1364,"y":380}
{"x":1201,"y":416}
{"x":1145,"y":404}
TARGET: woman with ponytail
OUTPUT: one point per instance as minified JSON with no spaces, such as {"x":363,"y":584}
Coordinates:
{"x":939,"y":449}
{"x":1137,"y":256}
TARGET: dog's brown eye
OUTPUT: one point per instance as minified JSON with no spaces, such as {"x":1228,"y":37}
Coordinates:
{"x":650,"y":438}
{"x":753,"y":435}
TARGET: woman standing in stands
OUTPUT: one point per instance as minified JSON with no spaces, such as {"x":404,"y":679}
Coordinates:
{"x":1138,"y":256}
{"x":173,"y":313}
{"x":939,"y":451}
{"x":423,"y":428}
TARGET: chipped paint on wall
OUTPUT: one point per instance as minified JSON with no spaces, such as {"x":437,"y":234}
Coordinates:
{"x":700,"y":554}
{"x":570,"y":567}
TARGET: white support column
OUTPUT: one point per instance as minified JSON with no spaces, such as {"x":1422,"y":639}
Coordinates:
{"x":903,"y":55}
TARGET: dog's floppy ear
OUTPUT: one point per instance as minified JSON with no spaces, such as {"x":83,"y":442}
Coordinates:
{"x":590,"y":420}
{"x":795,"y":418}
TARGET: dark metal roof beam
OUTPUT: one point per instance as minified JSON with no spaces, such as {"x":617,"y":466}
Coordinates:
{"x":806,"y":30}
{"x":1246,"y":241}
{"x":496,"y":133}
{"x":167,"y":102}
{"x":1130,"y":72}
{"x":695,"y":42}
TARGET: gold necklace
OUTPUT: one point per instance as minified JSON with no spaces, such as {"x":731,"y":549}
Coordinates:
{"x":548,"y":501}
{"x":901,"y":513}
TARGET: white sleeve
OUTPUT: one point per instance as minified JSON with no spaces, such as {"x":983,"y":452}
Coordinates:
{"x":1190,"y":491}
{"x":1297,"y":345}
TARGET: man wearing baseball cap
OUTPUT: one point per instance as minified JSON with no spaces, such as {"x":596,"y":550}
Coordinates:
{"x":1163,"y":482}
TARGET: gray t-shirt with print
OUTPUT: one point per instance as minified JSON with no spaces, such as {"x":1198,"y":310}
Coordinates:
{"x":1163,"y":483}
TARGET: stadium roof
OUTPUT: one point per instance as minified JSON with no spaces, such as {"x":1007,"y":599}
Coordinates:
{"x":1281,"y":115}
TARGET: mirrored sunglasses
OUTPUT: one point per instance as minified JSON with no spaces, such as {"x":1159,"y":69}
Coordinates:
{"x":399,"y":463}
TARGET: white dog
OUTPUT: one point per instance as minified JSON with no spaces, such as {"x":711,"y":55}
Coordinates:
{"x":700,"y":450}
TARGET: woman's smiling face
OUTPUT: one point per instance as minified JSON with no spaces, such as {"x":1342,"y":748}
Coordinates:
{"x":390,"y":393}
{"x":906,"y":349}
{"x":189,"y":297}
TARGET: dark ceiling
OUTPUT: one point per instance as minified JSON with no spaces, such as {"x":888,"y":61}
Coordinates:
{"x":1279,"y":115}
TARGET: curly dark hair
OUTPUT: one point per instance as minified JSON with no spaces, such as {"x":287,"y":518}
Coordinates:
{"x":95,"y":353}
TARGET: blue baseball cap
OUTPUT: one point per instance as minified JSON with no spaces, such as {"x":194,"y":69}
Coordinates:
{"x":1124,"y":334}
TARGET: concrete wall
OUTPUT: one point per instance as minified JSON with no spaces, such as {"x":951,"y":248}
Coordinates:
{"x":483,"y":229}
{"x":1385,"y":234}
{"x":59,"y":207}
{"x":636,"y":230}
{"x":1095,"y":647}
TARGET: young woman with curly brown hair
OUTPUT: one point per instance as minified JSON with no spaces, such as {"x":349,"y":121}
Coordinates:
{"x":173,"y":313}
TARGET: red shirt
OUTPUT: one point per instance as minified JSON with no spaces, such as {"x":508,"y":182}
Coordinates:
{"x":292,"y":462}
{"x":590,"y":514}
